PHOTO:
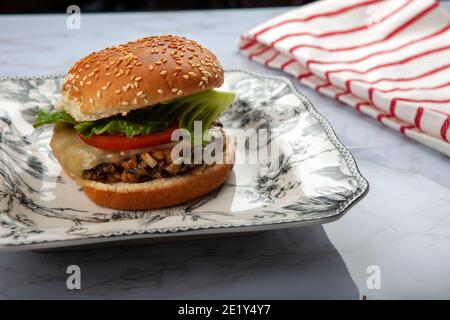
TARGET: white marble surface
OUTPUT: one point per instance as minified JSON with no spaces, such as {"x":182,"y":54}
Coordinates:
{"x":402,"y":226}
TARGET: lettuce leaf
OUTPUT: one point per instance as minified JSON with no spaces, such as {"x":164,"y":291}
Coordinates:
{"x":48,"y":117}
{"x":204,"y":106}
{"x":119,"y":126}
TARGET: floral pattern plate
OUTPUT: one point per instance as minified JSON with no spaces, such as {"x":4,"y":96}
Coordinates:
{"x":313,"y":179}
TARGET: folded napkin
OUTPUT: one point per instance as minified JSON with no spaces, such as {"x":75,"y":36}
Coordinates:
{"x":389,"y":59}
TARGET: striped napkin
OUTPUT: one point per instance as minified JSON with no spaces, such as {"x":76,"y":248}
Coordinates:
{"x":388,"y":59}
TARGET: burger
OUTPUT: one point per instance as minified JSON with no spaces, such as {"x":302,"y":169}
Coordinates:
{"x":118,"y":111}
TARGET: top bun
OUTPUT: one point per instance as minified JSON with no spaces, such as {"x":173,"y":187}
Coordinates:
{"x":138,"y":74}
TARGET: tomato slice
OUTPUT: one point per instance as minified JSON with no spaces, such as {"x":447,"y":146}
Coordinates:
{"x":119,"y":142}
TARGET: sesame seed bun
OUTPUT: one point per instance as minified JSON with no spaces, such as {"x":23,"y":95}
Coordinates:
{"x":164,"y":192}
{"x":138,"y":74}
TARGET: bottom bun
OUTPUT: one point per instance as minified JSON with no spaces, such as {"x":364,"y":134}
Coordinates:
{"x":163,"y":192}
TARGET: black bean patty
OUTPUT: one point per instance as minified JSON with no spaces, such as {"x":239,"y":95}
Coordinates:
{"x":139,"y":168}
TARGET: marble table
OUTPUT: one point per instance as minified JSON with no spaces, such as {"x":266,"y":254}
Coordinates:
{"x":402,"y":226}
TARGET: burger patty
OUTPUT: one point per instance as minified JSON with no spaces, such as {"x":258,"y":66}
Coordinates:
{"x":139,"y":168}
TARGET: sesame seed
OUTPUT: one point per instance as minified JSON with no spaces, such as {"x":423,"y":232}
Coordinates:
{"x":205,"y":79}
{"x":88,"y":82}
{"x":91,"y":101}
{"x":158,"y":63}
{"x":174,"y":90}
{"x":163,"y":73}
{"x":185,"y":76}
{"x":138,"y":79}
{"x":117,"y":91}
{"x":178,"y":68}
{"x":160,"y":91}
{"x":200,"y":84}
{"x":150,"y":67}
{"x":81,"y":83}
{"x":135,"y":101}
{"x":192,"y":74}
{"x":99,"y":94}
{"x":125,"y":103}
{"x":139,"y":93}
{"x":180,"y":92}
{"x":146,"y":101}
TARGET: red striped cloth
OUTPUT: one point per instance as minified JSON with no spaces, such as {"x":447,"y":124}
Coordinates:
{"x":389,"y":59}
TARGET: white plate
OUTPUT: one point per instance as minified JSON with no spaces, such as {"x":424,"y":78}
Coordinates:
{"x":313,"y":180}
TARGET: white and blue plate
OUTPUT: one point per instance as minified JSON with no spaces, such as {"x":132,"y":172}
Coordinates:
{"x":313,"y":180}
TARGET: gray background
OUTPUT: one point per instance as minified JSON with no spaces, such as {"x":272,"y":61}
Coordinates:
{"x":402,"y":226}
